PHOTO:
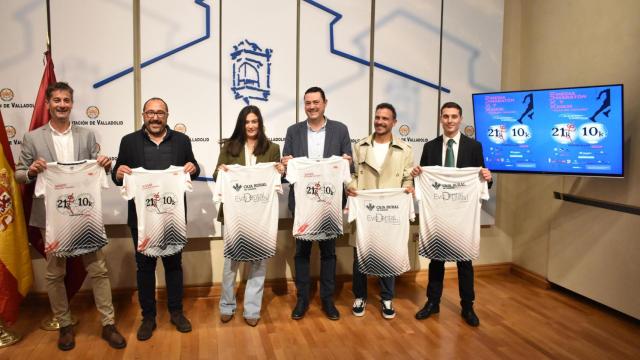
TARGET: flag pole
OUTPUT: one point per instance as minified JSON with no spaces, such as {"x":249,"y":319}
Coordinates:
{"x":7,"y":337}
{"x":51,"y":323}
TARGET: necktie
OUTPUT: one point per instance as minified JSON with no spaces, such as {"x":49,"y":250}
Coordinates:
{"x":449,"y":160}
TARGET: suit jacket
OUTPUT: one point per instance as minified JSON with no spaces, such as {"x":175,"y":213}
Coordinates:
{"x":271,"y":155}
{"x":469,"y":153}
{"x":131,"y":153}
{"x":336,"y":142}
{"x":37,"y":144}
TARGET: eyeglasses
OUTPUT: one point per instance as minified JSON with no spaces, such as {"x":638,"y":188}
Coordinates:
{"x":150,"y":113}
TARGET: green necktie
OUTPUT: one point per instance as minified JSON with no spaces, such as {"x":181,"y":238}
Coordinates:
{"x":449,"y":160}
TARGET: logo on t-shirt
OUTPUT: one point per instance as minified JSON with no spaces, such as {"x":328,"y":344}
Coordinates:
{"x":320,"y":191}
{"x":74,"y":205}
{"x":160,"y":203}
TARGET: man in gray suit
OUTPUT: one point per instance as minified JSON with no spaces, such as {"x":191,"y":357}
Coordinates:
{"x":60,"y":141}
{"x":316,"y":137}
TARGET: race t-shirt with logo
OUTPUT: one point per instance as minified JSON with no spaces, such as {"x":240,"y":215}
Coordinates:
{"x":159,"y":200}
{"x":250,"y":210}
{"x":318,"y":186}
{"x":382,"y":230}
{"x":73,"y":204}
{"x":450,"y":203}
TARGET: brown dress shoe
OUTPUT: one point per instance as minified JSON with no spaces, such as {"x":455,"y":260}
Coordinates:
{"x":113,"y":337}
{"x":225,"y":318}
{"x":251,"y":322}
{"x":66,"y":341}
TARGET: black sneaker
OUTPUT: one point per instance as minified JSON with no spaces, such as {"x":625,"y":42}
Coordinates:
{"x":358,"y":307}
{"x":180,"y":321}
{"x":146,"y":329}
{"x":387,"y":309}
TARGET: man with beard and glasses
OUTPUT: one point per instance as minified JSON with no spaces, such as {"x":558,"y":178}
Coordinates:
{"x":155,"y":147}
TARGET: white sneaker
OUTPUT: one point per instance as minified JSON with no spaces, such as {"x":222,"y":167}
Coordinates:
{"x":387,"y":310}
{"x":358,"y":307}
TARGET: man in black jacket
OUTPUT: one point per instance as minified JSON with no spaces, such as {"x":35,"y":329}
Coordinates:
{"x":155,"y":147}
{"x":455,"y":150}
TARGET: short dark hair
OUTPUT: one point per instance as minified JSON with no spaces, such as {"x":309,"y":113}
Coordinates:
{"x":315,"y":89}
{"x":58,"y":86}
{"x":144,"y":107}
{"x":451,"y":104}
{"x":387,"y":106}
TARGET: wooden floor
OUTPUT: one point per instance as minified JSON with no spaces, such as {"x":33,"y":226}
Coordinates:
{"x":518,"y":321}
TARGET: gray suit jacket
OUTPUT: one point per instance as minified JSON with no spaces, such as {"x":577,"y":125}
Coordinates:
{"x":336,"y":142}
{"x":39,"y":144}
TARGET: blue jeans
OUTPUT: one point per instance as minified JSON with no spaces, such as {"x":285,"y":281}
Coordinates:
{"x":146,"y":276}
{"x":252,"y":292}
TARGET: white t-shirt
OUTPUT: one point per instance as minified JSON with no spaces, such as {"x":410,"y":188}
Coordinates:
{"x":73,"y":204}
{"x":318,"y":186}
{"x":159,"y":199}
{"x":382,"y":230}
{"x":380,"y":153}
{"x":450,"y":203}
{"x":250,"y":210}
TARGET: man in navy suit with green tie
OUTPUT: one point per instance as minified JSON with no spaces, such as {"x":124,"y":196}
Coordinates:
{"x":452,"y":149}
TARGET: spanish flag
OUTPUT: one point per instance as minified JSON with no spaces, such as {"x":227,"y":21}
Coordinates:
{"x":16,"y":275}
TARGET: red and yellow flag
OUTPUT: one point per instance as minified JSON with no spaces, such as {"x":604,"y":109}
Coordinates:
{"x":16,"y":275}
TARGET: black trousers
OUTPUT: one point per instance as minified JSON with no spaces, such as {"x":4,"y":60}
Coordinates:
{"x":146,"y":277}
{"x":387,"y":283}
{"x":327,"y":268}
{"x":465,"y":282}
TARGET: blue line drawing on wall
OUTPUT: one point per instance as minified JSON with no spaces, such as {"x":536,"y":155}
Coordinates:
{"x":167,"y":53}
{"x":337,"y":18}
{"x":251,"y":72}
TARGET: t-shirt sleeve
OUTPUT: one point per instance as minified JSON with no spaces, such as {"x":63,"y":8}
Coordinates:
{"x":418,"y":187}
{"x":128,"y":188}
{"x":188,"y":185}
{"x":412,"y":209}
{"x":351,"y":208}
{"x":292,"y":173}
{"x":346,"y":172}
{"x":104,"y":180}
{"x":219,"y":186}
{"x":277,"y":180}
{"x":484,"y":191}
{"x":40,"y":185}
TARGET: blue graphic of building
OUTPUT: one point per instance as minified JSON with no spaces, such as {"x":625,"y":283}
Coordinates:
{"x":251,"y":72}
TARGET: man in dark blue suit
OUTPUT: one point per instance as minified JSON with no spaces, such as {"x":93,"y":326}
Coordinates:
{"x":455,"y":150}
{"x":316,"y":137}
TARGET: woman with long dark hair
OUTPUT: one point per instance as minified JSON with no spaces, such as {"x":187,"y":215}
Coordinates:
{"x":248,"y":145}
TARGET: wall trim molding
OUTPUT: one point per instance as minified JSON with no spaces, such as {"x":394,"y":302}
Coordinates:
{"x":535,"y":279}
{"x":287,"y":286}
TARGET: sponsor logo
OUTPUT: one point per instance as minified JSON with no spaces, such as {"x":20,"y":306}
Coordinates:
{"x":92,"y":112}
{"x":404,"y":130}
{"x":180,"y":127}
{"x":74,"y":205}
{"x":247,"y":198}
{"x":436,"y":185}
{"x":321,"y":192}
{"x":370,"y":206}
{"x":447,"y":196}
{"x":6,"y":94}
{"x":237,"y":187}
{"x":387,"y":219}
{"x":160,"y":203}
{"x":11,"y":131}
{"x":251,"y":72}
{"x":470,"y":131}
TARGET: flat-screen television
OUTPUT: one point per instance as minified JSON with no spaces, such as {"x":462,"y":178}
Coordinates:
{"x":569,"y":131}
